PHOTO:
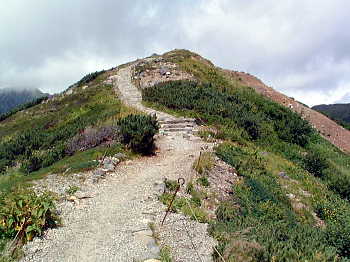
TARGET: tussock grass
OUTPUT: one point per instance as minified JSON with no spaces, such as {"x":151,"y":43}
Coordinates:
{"x":204,"y":163}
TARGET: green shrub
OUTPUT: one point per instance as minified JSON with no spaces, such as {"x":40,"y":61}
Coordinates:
{"x":226,"y":212}
{"x":339,"y":184}
{"x":203,"y":180}
{"x":315,"y":164}
{"x":138,"y":132}
{"x":88,"y":78}
{"x":71,"y":190}
{"x":25,"y":214}
{"x":33,"y":163}
{"x":171,"y":185}
{"x":189,"y":188}
{"x":258,"y":116}
{"x":261,"y":213}
{"x":337,"y":217}
{"x":178,"y":204}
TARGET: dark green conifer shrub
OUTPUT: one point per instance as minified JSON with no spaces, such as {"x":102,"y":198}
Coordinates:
{"x":315,"y":164}
{"x":138,"y":132}
{"x":258,"y":116}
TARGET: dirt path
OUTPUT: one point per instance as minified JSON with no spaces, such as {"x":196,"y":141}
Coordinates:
{"x":114,"y":224}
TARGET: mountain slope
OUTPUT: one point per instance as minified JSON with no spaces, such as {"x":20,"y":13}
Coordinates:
{"x":40,"y":136}
{"x":290,"y":178}
{"x":11,"y":98}
{"x":272,"y":187}
{"x":328,"y":128}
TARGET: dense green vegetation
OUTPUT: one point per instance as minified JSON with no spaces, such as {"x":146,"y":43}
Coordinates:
{"x":10,"y":98}
{"x":262,"y":215}
{"x":259,"y":117}
{"x":24,"y":215}
{"x":264,"y":139}
{"x":88,"y":78}
{"x":138,"y":132}
{"x":43,"y":139}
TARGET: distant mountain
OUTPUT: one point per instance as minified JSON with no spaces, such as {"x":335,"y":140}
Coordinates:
{"x":335,"y":111}
{"x":11,"y":98}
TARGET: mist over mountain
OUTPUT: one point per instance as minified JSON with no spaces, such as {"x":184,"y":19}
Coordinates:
{"x":13,"y":97}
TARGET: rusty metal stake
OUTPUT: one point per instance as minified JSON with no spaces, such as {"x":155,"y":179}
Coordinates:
{"x":181,"y":182}
{"x":199,"y":160}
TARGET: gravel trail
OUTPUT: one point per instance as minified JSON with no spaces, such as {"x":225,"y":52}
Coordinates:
{"x":113,"y":225}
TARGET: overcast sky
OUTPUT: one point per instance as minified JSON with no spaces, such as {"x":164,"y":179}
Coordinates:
{"x":299,"y":47}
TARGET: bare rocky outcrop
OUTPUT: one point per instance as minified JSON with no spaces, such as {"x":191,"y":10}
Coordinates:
{"x":157,"y":70}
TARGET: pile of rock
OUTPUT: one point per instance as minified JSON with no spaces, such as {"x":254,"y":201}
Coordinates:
{"x":107,"y":164}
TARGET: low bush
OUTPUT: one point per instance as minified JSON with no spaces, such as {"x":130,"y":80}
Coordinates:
{"x":203,"y":180}
{"x":171,"y":185}
{"x":226,"y":212}
{"x":339,"y":184}
{"x":138,"y":131}
{"x":315,"y":164}
{"x":88,"y":78}
{"x":337,"y":216}
{"x":24,"y":214}
{"x":261,"y":213}
{"x":258,"y":116}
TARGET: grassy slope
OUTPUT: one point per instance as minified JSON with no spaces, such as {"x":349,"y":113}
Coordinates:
{"x":267,"y":226}
{"x":95,"y":106}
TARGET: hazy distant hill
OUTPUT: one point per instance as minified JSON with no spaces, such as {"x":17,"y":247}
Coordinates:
{"x":335,"y":111}
{"x":11,"y":98}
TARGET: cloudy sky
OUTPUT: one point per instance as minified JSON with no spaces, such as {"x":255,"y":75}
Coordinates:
{"x":299,"y":47}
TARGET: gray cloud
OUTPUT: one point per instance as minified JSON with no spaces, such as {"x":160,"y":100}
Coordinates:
{"x":298,"y":47}
{"x":344,"y":99}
